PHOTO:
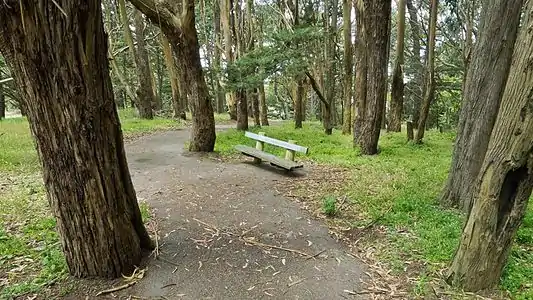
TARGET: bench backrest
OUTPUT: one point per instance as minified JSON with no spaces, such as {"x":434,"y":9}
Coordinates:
{"x":275,"y":142}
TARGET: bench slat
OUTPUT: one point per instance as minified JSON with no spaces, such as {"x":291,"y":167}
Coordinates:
{"x":275,"y":142}
{"x":272,"y":159}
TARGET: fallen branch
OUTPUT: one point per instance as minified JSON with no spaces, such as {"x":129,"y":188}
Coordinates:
{"x":115,"y":289}
{"x":249,"y":241}
{"x":317,"y":254}
{"x":208,"y":225}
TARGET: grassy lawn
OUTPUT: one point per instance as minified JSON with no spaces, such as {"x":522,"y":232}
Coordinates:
{"x":398,"y":190}
{"x":31,"y":260}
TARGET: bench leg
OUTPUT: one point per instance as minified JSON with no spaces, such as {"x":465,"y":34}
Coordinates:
{"x":259,"y":146}
{"x":289,"y":154}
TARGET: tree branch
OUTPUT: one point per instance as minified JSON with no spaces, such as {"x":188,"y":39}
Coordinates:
{"x":159,"y":13}
{"x":317,"y":89}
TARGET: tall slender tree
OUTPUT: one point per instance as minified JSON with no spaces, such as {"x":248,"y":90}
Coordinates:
{"x":145,"y":91}
{"x":59,"y":56}
{"x":396,"y":105}
{"x":219,"y":92}
{"x":348,"y":66}
{"x":179,"y":27}
{"x":429,"y":87}
{"x":505,"y":181}
{"x":415,"y":85}
{"x":226,"y":18}
{"x":177,"y":105}
{"x":328,"y":111}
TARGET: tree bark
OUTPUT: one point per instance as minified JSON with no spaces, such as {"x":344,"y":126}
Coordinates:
{"x":225,"y":17}
{"x":145,"y":92}
{"x":242,"y":110}
{"x":328,"y":118}
{"x":179,"y":112}
{"x":486,"y":78}
{"x":255,"y":106}
{"x":61,"y":61}
{"x":429,"y":89}
{"x":361,"y":70}
{"x":505,"y":180}
{"x":348,"y":66}
{"x":376,"y":17}
{"x":219,"y":93}
{"x":416,"y":85}
{"x":2,"y":101}
{"x":262,"y":104}
{"x":180,"y":30}
{"x":396,"y":105}
{"x":298,"y":104}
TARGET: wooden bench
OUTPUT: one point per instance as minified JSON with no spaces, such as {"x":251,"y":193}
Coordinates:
{"x":259,"y":155}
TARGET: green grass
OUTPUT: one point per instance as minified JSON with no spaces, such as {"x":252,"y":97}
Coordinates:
{"x":30,"y":254}
{"x":399,"y":188}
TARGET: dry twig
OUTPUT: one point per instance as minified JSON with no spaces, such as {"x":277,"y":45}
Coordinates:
{"x":115,"y":289}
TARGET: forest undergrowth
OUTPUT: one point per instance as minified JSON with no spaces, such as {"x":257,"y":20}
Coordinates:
{"x":387,"y":204}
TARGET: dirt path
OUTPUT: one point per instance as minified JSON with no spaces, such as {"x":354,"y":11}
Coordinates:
{"x":207,"y":208}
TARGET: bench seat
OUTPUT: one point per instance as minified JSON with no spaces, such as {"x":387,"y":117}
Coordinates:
{"x":272,"y":159}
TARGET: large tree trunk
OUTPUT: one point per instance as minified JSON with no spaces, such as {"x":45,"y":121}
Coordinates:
{"x":486,"y":78}
{"x":505,"y":180}
{"x":179,"y":112}
{"x":416,"y":84}
{"x":179,"y":28}
{"x":61,"y":61}
{"x":396,"y":105}
{"x":145,"y":92}
{"x":262,"y":105}
{"x":348,"y":66}
{"x":376,"y":18}
{"x":429,"y":88}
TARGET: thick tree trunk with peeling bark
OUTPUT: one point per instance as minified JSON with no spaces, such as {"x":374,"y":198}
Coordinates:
{"x":348,"y":66}
{"x":179,"y":27}
{"x":429,"y":89}
{"x":376,"y":17}
{"x":505,"y":180}
{"x":486,"y":77}
{"x":61,"y":61}
{"x":396,"y":105}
